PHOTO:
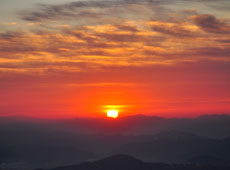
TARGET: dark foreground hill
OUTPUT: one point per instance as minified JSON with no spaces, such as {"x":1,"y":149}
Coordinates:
{"x":175,"y":147}
{"x":125,"y":162}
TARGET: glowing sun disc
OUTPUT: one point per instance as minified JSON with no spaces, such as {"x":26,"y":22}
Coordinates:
{"x":112,"y":114}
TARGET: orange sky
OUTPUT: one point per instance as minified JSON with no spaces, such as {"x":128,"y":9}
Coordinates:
{"x":75,"y":59}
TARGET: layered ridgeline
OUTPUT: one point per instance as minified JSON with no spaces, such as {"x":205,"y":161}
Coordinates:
{"x":125,"y":162}
{"x":28,"y":143}
{"x":213,"y":126}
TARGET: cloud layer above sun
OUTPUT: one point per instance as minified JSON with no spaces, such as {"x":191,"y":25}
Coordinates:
{"x":80,"y":44}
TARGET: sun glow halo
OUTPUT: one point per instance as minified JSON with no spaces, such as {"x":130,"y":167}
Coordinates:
{"x":112,"y":114}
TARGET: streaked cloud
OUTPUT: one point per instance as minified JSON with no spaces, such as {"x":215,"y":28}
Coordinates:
{"x":210,"y":23}
{"x":175,"y":29}
{"x":63,"y":53}
{"x":81,"y":9}
{"x":103,"y":84}
{"x":150,"y":42}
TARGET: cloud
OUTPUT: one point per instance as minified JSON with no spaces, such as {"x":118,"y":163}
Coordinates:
{"x":210,"y":23}
{"x":79,"y":9}
{"x":10,"y":34}
{"x":103,"y":84}
{"x":46,"y":14}
{"x":174,"y":29}
{"x":104,"y":8}
{"x":83,"y":35}
{"x":223,"y":52}
{"x":121,"y":44}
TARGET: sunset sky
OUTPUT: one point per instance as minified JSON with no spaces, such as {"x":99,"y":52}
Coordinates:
{"x":66,"y":58}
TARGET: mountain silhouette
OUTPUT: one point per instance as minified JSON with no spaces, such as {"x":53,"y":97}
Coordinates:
{"x":201,"y":140}
{"x":177,"y":147}
{"x":213,"y":126}
{"x":126,"y":162}
{"x":208,"y":160}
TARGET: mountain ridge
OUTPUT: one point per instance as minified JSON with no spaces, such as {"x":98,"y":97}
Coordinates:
{"x":127,"y":162}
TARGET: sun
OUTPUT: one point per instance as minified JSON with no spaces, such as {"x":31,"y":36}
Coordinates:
{"x":112,"y":114}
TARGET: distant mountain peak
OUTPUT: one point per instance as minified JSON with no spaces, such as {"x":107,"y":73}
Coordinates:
{"x":121,"y":158}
